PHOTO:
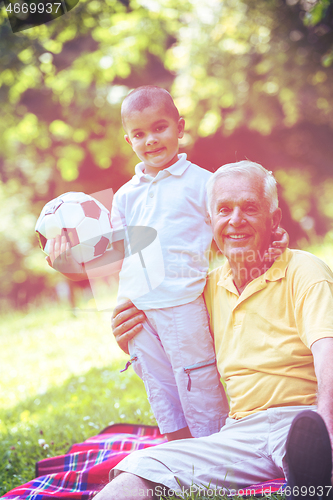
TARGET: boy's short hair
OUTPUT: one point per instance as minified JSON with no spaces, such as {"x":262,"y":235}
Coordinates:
{"x":145,"y":96}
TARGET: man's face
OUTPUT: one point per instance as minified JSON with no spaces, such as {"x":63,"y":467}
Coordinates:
{"x":242,"y":223}
{"x":153,"y":135}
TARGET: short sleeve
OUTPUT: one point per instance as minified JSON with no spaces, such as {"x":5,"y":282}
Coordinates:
{"x":314,"y":313}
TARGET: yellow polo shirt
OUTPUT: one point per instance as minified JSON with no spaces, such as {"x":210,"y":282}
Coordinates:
{"x":263,"y":336}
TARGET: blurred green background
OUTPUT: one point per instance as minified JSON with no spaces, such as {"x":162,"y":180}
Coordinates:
{"x":253,"y":79}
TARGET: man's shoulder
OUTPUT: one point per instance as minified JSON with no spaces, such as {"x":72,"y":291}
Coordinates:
{"x":215,"y":276}
{"x":303,"y":259}
{"x":308,"y":267}
{"x":212,"y":290}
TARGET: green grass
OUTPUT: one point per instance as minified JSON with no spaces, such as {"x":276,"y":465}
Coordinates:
{"x":60,"y":383}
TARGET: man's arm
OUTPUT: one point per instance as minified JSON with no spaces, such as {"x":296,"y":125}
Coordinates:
{"x":126,"y":322}
{"x":322,"y":351}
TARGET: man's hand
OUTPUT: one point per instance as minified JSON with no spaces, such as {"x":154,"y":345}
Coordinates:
{"x":126,"y":322}
{"x":278,"y":246}
{"x":61,"y":259}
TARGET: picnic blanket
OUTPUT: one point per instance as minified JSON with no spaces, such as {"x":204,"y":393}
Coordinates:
{"x":84,"y":469}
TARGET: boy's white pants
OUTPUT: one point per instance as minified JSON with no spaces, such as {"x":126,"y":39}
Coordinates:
{"x":174,"y":355}
{"x":244,"y":452}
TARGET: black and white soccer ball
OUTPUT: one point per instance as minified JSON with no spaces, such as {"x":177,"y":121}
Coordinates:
{"x":83,"y":220}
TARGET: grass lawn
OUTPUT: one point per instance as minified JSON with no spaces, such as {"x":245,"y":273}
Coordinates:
{"x":61,"y":384}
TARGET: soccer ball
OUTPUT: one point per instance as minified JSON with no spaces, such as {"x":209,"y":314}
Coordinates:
{"x":83,"y":220}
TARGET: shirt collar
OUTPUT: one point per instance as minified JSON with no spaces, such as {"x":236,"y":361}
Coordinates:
{"x":226,"y":278}
{"x":276,"y":272}
{"x":177,"y":169}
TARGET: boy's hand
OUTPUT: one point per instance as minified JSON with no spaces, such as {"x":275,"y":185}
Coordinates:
{"x":278,"y":246}
{"x":126,"y":322}
{"x":61,"y":258}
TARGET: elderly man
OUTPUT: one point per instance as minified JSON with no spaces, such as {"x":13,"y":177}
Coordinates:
{"x":273,"y":331}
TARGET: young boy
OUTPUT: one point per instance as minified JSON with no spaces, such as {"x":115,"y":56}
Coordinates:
{"x":174,"y":352}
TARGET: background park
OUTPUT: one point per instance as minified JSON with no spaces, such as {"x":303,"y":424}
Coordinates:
{"x":253,"y":79}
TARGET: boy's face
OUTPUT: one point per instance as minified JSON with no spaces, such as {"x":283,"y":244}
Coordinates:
{"x":153,"y":135}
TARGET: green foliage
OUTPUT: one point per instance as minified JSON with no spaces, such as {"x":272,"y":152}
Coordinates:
{"x":323,"y":249}
{"x":317,"y":13}
{"x":235,"y":62}
{"x":256,"y":66}
{"x":263,"y":65}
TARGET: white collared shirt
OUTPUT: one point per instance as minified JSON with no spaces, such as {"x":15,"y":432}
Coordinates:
{"x":168,"y":235}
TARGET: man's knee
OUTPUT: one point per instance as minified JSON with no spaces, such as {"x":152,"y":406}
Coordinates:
{"x":127,"y":486}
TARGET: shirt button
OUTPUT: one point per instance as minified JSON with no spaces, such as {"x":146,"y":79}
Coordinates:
{"x":151,"y":195}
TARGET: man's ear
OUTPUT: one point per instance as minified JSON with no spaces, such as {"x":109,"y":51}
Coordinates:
{"x":128,"y":140}
{"x":208,"y":219}
{"x":276,"y":219}
{"x":181,"y":127}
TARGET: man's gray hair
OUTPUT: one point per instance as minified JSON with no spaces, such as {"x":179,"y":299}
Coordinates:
{"x":247,"y":167}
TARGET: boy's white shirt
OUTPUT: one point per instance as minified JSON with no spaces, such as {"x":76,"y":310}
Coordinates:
{"x":169,"y":263}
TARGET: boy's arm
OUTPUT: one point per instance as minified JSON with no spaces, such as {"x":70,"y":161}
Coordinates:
{"x":61,"y":260}
{"x":279,"y":244}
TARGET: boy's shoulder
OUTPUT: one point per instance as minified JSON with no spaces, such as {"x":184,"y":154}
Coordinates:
{"x":192,"y":171}
{"x":200,"y":171}
{"x":128,"y":186}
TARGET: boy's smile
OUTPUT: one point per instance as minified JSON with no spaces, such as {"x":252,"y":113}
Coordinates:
{"x":153,"y":135}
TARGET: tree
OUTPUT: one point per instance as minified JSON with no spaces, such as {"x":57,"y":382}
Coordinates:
{"x":237,"y":68}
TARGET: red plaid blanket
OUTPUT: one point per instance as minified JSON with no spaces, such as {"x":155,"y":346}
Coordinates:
{"x":84,"y":470}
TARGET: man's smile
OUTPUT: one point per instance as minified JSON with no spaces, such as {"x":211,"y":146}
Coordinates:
{"x":238,"y":236}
